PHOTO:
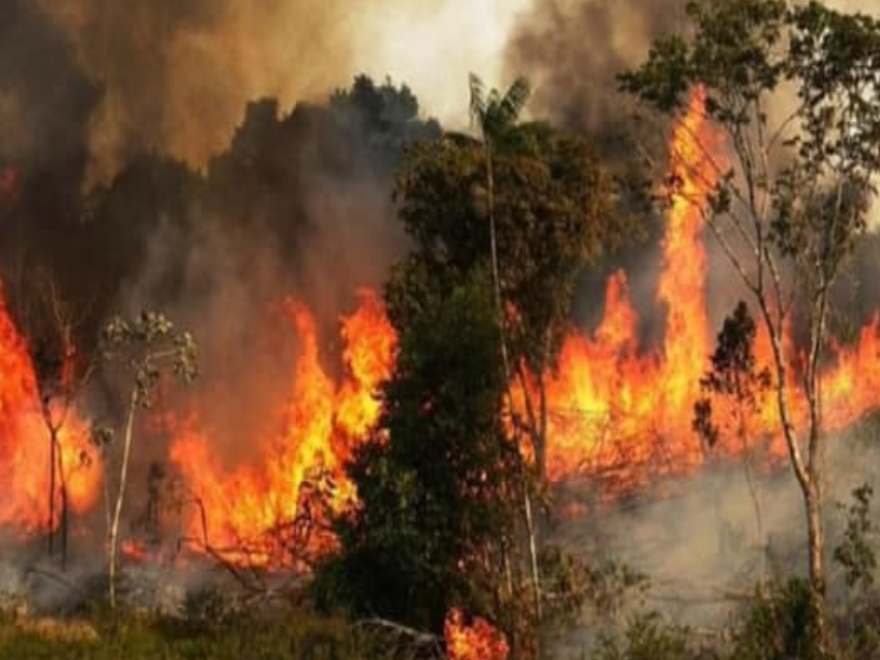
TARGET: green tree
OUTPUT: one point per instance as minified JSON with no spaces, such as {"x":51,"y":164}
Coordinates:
{"x":495,"y":115}
{"x":551,"y":207}
{"x":530,"y":205}
{"x":145,"y":348}
{"x":798,"y":189}
{"x":736,"y":379}
{"x":435,"y":512}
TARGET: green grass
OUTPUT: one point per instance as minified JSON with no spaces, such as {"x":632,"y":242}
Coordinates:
{"x":287,"y":635}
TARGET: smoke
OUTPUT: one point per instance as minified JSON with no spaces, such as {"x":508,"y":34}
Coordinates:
{"x":573,"y":50}
{"x":175,"y":75}
{"x":697,"y":539}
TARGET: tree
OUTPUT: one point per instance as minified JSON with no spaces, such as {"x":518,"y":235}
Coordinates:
{"x":50,"y":325}
{"x":145,"y":347}
{"x":436,"y":501}
{"x":737,"y":382}
{"x":787,"y":210}
{"x":495,"y":115}
{"x":551,"y":208}
{"x":532,"y":206}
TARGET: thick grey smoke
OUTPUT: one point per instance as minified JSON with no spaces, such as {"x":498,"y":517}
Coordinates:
{"x":573,"y":50}
{"x":697,"y":540}
{"x":175,"y":75}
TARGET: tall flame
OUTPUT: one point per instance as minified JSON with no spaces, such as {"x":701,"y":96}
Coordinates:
{"x":25,"y":443}
{"x":259,"y":514}
{"x":616,"y":414}
{"x":626,"y":417}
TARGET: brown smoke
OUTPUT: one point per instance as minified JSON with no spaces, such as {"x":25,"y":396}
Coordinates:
{"x":176,"y":73}
{"x":572,"y":51}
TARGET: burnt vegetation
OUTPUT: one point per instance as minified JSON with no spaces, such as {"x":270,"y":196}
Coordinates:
{"x":208,"y":454}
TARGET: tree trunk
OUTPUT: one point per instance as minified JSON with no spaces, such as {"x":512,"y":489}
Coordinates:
{"x":63,"y":522}
{"x":113,"y":540}
{"x":816,"y":544}
{"x":505,"y":360}
{"x":53,"y":450}
{"x":533,"y":557}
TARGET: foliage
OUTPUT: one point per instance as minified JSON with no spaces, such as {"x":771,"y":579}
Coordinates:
{"x":145,"y":345}
{"x":854,"y":553}
{"x":529,"y":204}
{"x":571,"y":586}
{"x":647,"y":638}
{"x":734,"y":373}
{"x":387,"y":115}
{"x":432,"y":482}
{"x":552,"y":211}
{"x":282,"y":635}
{"x":794,"y":197}
{"x":495,"y":113}
{"x":781,"y":624}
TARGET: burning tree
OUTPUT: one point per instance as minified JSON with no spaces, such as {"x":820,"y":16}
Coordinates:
{"x":146,"y":347}
{"x":49,"y":323}
{"x":529,"y":205}
{"x":795,"y":90}
{"x":436,"y":488}
{"x":737,"y":383}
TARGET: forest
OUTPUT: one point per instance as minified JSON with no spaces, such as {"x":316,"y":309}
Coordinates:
{"x":295,"y":363}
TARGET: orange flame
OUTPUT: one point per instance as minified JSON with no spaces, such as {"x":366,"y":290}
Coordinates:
{"x":477,"y":641}
{"x":617,"y":414}
{"x":24,"y":443}
{"x":257,"y":515}
{"x":627,"y":417}
{"x":9,"y":185}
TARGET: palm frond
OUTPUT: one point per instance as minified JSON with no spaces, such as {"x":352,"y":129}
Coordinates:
{"x":513,"y":102}
{"x":478,"y":100}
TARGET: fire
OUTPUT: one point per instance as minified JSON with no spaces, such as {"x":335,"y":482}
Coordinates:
{"x":625,"y":417}
{"x":134,"y":551}
{"x":25,"y":448}
{"x":477,"y":641}
{"x":9,"y":185}
{"x":267,"y":514}
{"x":615,"y":405}
{"x":617,"y":413}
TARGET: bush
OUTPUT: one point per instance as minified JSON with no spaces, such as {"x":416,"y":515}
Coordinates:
{"x":779,"y":626}
{"x":283,"y":635}
{"x":648,"y":637}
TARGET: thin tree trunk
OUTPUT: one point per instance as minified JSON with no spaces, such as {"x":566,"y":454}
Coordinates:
{"x":53,"y":450}
{"x":505,"y":360}
{"x":816,"y":545}
{"x":533,"y":554}
{"x":755,"y":495}
{"x":63,"y":523}
{"x":113,"y":541}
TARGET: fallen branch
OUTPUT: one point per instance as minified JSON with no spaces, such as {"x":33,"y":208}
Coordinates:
{"x":417,"y":638}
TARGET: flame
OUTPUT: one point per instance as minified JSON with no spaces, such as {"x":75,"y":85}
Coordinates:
{"x":625,"y":417}
{"x":611,"y":406}
{"x":9,"y":185}
{"x":258,"y":514}
{"x":25,"y":443}
{"x":617,"y":414}
{"x":477,"y":641}
{"x":134,"y":551}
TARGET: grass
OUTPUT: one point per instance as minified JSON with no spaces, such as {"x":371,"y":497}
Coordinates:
{"x":285,"y":634}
